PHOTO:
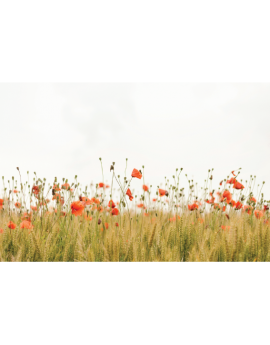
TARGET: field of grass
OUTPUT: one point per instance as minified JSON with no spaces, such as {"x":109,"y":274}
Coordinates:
{"x":60,"y":222}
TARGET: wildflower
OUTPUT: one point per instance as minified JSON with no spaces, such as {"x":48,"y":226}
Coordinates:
{"x":231,"y":180}
{"x":232,"y":203}
{"x":225,"y":227}
{"x":1,"y":231}
{"x":65,"y":186}
{"x":1,"y":203}
{"x":87,"y":217}
{"x":107,"y":186}
{"x":136,"y":173}
{"x":227,"y":195}
{"x":101,"y":185}
{"x":86,"y":201}
{"x":217,"y":206}
{"x":99,"y":208}
{"x":17,"y":204}
{"x":115,"y":211}
{"x":11,"y":225}
{"x":258,"y":214}
{"x":248,"y":209}
{"x":106,"y":225}
{"x":163,"y":192}
{"x":193,"y":207}
{"x":34,"y":208}
{"x":220,"y":183}
{"x":99,"y":221}
{"x":238,"y":185}
{"x":200,"y":220}
{"x":154,"y":200}
{"x":35,"y":190}
{"x":140,"y":205}
{"x":26,"y":225}
{"x":15,"y":191}
{"x":116,"y":224}
{"x":233,"y":173}
{"x":253,"y":199}
{"x":265,"y":207}
{"x":111,"y":204}
{"x":77,"y":208}
{"x":128,"y":193}
{"x":224,"y":208}
{"x":56,"y":188}
{"x":238,"y":205}
{"x":145,"y":188}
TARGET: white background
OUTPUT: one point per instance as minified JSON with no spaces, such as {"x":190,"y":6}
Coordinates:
{"x":142,"y":41}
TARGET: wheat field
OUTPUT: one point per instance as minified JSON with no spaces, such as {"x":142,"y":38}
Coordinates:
{"x":44,"y":223}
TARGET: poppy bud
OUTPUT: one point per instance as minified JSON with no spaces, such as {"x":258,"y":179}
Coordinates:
{"x":111,"y":168}
{"x":99,"y":221}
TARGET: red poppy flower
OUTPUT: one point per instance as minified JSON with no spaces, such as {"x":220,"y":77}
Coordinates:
{"x":115,"y":211}
{"x":145,"y":188}
{"x":26,"y":216}
{"x":227,"y":195}
{"x":65,"y":186}
{"x":1,"y":203}
{"x":106,"y":225}
{"x":220,"y":183}
{"x":101,"y":185}
{"x":1,"y":231}
{"x":248,"y":209}
{"x":26,"y":225}
{"x":15,"y":191}
{"x":253,"y":199}
{"x":11,"y":225}
{"x":232,"y":180}
{"x":233,"y":173}
{"x":111,"y":204}
{"x":238,"y":205}
{"x":85,"y":200}
{"x":265,"y":207}
{"x":193,"y":207}
{"x":77,"y":208}
{"x":35,"y":190}
{"x":107,"y":186}
{"x":225,"y":227}
{"x":56,"y":188}
{"x":238,"y":185}
{"x":17,"y":204}
{"x":34,"y":208}
{"x":154,"y":200}
{"x":232,"y":203}
{"x":258,"y":214}
{"x":163,"y":192}
{"x":136,"y":173}
{"x":116,"y":224}
{"x":140,"y":205}
{"x":128,"y":193}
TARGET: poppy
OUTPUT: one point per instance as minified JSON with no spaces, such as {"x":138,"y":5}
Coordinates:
{"x":87,"y":217}
{"x":232,"y":203}
{"x":140,"y":205}
{"x":238,"y":185}
{"x":65,"y":186}
{"x":11,"y":225}
{"x":238,"y":205}
{"x":77,"y":208}
{"x":223,"y":208}
{"x":107,"y":186}
{"x":115,"y":211}
{"x":34,"y":208}
{"x":56,"y":188}
{"x":111,"y":204}
{"x":1,"y":203}
{"x":220,"y":183}
{"x":225,"y":227}
{"x":1,"y":231}
{"x":258,"y":214}
{"x":128,"y":193}
{"x":253,"y":199}
{"x":26,"y":225}
{"x":85,"y":200}
{"x":17,"y":204}
{"x":136,"y":173}
{"x":217,"y":206}
{"x":106,"y":225}
{"x":116,"y":224}
{"x":193,"y":207}
{"x":145,"y":188}
{"x":232,"y":180}
{"x":227,"y":195}
{"x":15,"y":191}
{"x":200,"y":220}
{"x":35,"y":190}
{"x":265,"y":207}
{"x":248,"y":209}
{"x":101,"y":185}
{"x":163,"y":192}
{"x":233,"y":173}
{"x":154,"y":200}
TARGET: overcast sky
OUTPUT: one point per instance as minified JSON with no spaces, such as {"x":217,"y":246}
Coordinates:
{"x":62,"y":130}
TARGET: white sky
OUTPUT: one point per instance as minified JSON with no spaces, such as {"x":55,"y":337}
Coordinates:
{"x":62,"y":130}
